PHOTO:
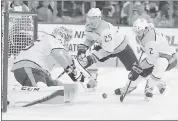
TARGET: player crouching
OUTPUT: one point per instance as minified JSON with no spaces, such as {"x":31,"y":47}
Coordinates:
{"x":160,"y":57}
{"x":111,"y":42}
{"x":33,"y":64}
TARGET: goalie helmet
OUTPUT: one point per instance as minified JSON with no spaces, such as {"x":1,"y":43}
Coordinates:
{"x":140,"y":27}
{"x":63,"y":34}
{"x":93,"y":17}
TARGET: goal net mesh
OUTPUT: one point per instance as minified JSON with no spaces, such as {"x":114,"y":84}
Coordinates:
{"x":22,"y":31}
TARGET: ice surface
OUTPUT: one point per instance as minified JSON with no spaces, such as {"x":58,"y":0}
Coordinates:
{"x":93,"y":106}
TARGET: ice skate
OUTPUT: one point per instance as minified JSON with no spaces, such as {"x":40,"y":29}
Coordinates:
{"x":161,"y":87}
{"x":120,"y":91}
{"x":148,"y":92}
{"x":92,"y":84}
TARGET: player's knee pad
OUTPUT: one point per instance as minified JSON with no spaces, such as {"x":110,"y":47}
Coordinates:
{"x":127,"y":57}
{"x":160,"y":67}
{"x":62,"y":57}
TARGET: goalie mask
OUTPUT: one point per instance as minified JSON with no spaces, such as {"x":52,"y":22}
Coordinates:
{"x":63,"y":34}
{"x":93,"y":17}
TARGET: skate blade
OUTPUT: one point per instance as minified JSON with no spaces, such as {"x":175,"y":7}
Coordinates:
{"x":147,"y":99}
{"x":91,"y":89}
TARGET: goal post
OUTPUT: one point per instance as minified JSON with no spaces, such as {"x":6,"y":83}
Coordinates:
{"x":20,"y":30}
{"x":4,"y":60}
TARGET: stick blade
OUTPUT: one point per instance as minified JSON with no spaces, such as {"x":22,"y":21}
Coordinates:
{"x":122,"y":98}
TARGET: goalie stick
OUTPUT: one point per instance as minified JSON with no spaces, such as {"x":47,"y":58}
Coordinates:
{"x":130,"y":81}
{"x":60,"y":75}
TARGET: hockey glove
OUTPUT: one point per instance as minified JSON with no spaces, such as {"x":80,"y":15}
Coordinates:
{"x":135,"y":72}
{"x":81,"y":48}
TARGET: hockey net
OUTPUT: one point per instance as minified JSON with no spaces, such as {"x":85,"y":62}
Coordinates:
{"x":20,"y":30}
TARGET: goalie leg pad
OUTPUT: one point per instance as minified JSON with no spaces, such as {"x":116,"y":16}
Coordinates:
{"x":23,"y":77}
{"x":62,"y":57}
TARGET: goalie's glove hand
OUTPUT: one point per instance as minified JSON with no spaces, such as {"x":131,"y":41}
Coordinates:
{"x":81,"y":48}
{"x":135,"y":72}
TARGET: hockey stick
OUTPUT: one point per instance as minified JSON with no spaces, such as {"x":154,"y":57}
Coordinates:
{"x":45,"y":99}
{"x":80,"y":82}
{"x":124,"y":94}
{"x":61,"y":75}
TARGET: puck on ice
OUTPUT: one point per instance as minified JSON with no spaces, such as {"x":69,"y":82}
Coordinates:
{"x":104,"y":95}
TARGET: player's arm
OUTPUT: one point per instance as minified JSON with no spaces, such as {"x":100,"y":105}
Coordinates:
{"x":145,"y":67}
{"x":85,"y":60}
{"x":89,"y":41}
{"x":82,"y":48}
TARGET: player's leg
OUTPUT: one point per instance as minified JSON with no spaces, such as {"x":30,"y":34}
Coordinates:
{"x":160,"y":67}
{"x":172,"y":62}
{"x":163,"y":64}
{"x":128,"y":58}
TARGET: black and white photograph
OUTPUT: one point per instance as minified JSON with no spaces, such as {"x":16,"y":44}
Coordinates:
{"x":89,"y":60}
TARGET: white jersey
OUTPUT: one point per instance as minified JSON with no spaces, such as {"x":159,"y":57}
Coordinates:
{"x":39,"y":52}
{"x":155,"y":45}
{"x":110,"y":38}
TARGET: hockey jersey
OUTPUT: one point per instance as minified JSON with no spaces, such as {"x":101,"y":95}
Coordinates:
{"x":155,"y":45}
{"x":39,"y":52}
{"x":110,"y":38}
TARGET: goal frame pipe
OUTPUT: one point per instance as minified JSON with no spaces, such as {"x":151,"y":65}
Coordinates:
{"x":6,"y":49}
{"x":5,"y":58}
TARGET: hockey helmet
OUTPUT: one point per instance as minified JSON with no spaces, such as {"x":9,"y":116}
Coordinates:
{"x":93,"y":17}
{"x":140,"y":27}
{"x":63,"y":34}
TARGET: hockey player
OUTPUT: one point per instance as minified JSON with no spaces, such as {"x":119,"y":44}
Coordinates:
{"x":33,"y":65}
{"x":111,"y":43}
{"x":160,"y":57}
{"x":138,"y":12}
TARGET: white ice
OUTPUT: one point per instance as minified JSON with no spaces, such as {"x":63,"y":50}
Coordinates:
{"x":93,"y":106}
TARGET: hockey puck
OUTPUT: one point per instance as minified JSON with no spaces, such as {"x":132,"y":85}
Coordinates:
{"x":104,"y":95}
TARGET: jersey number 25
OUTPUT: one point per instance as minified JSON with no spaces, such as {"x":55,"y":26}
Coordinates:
{"x":108,"y":38}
